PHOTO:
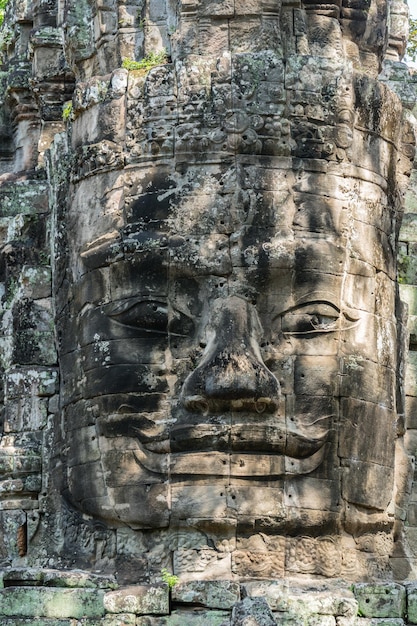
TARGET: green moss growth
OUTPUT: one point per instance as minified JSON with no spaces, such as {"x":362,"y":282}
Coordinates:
{"x":2,"y":9}
{"x":147,"y":63}
{"x":67,"y":111}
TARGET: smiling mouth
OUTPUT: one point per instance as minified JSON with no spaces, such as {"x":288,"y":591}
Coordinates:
{"x":241,"y":446}
{"x":242,"y":450}
{"x":227,"y":464}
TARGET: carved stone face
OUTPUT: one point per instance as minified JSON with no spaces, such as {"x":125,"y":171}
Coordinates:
{"x":229,"y":347}
{"x":229,"y":360}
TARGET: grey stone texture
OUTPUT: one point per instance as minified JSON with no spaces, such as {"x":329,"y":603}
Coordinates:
{"x":252,"y":612}
{"x":213,"y":594}
{"x":140,"y":600}
{"x":374,"y":600}
{"x":35,"y":602}
{"x":208,"y":313}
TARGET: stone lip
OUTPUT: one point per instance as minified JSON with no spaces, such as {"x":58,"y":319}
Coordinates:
{"x":245,"y":434}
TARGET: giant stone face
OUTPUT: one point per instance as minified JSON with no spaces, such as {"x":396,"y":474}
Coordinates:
{"x":228,"y":331}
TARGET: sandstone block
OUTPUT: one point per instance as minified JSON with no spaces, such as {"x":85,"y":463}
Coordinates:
{"x":412,"y":603}
{"x":408,"y":294}
{"x":139,"y":599}
{"x":346,"y":621}
{"x":123,"y":619}
{"x":34,"y":577}
{"x":293,"y":619}
{"x":77,"y":578}
{"x":25,"y":197}
{"x":409,"y":227}
{"x":188,"y":618}
{"x":52,"y":603}
{"x":40,"y":621}
{"x":252,"y":611}
{"x":380,"y":600}
{"x":216,"y":594}
{"x":364,"y":621}
{"x":307,"y":603}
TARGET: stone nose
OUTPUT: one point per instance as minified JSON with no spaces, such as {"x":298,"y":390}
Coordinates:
{"x":231,"y":373}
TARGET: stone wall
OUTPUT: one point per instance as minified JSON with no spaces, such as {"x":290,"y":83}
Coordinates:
{"x":58,"y":598}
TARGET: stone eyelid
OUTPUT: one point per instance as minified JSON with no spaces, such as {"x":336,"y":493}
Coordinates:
{"x":146,"y":314}
{"x":322,"y":316}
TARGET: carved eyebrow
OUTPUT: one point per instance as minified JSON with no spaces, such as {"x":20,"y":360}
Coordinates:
{"x":310,"y":303}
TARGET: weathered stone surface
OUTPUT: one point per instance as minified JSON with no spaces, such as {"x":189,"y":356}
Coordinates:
{"x":252,"y":611}
{"x":123,"y":619}
{"x":304,"y":600}
{"x":211,"y":594}
{"x":291,"y":619}
{"x":34,"y":602}
{"x":374,"y":600}
{"x":412,"y":603}
{"x":141,"y":600}
{"x":16,"y":621}
{"x":195,"y":617}
{"x":390,"y":621}
{"x":56,"y":578}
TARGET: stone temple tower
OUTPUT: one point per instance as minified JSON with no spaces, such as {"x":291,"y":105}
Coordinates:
{"x":207,"y":361}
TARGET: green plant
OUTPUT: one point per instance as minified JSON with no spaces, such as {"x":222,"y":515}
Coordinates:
{"x":170,"y":579}
{"x":6,"y":38}
{"x":147,"y":63}
{"x":411,"y":51}
{"x":67,"y":111}
{"x":2,"y":9}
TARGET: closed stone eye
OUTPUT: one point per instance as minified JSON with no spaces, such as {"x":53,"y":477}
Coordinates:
{"x":148,"y":315}
{"x":151,"y":316}
{"x":315,"y":318}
